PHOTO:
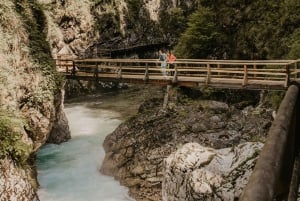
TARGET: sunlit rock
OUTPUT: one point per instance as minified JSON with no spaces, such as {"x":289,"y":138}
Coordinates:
{"x":195,"y":172}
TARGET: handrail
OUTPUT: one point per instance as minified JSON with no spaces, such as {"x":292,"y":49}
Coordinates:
{"x":194,"y":61}
{"x":239,"y":73}
{"x":273,"y":171}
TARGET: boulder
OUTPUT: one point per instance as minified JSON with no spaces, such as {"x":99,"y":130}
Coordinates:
{"x":195,"y":172}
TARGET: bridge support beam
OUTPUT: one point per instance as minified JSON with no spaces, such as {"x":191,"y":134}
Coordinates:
{"x":166,"y":97}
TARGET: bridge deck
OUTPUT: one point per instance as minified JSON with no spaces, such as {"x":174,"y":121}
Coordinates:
{"x":258,"y":74}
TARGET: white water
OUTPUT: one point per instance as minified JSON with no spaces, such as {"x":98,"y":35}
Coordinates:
{"x":70,"y":171}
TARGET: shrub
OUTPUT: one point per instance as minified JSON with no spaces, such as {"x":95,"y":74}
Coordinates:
{"x":11,"y":143}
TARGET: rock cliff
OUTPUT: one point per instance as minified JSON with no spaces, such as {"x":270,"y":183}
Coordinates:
{"x":31,"y":31}
{"x":137,"y":149}
{"x":30,"y":98}
{"x":70,"y":26}
{"x":77,"y":26}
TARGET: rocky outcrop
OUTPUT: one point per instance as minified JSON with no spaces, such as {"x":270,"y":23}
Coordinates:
{"x":28,"y":108}
{"x":60,"y":130}
{"x":70,"y":26}
{"x":195,"y":172}
{"x":136,"y":150}
{"x":74,"y":26}
{"x":16,"y":183}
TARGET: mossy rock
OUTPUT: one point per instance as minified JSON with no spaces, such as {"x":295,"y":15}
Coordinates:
{"x":11,"y":143}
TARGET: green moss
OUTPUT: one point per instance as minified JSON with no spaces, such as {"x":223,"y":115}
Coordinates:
{"x":134,"y":7}
{"x":34,"y":21}
{"x":11,"y":143}
{"x":273,"y":99}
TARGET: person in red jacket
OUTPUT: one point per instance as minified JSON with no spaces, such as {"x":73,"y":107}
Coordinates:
{"x":170,"y":59}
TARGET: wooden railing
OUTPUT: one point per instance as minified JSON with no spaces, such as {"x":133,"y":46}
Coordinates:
{"x":276,"y":173}
{"x":276,"y":74}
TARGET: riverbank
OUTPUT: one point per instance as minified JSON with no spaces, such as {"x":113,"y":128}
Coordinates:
{"x":70,"y":171}
{"x":137,"y":149}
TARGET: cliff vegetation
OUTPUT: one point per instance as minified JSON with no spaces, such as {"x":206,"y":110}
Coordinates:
{"x":242,"y":30}
{"x":28,"y":83}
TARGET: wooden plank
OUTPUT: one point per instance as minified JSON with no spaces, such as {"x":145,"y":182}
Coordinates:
{"x":266,"y":73}
{"x":226,"y":81}
{"x":245,"y":80}
{"x":189,"y":79}
{"x":191,"y":70}
{"x":266,"y":82}
{"x":228,"y":71}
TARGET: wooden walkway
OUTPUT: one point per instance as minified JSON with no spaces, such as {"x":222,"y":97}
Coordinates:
{"x":258,"y":74}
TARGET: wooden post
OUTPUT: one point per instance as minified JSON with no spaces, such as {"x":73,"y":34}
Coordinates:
{"x":287,"y":78}
{"x":166,"y":97}
{"x":245,"y":80}
{"x":120,"y":71}
{"x":58,"y":65}
{"x":254,"y":67}
{"x":208,"y":74}
{"x":218,"y":67}
{"x":175,"y":79}
{"x":295,"y":70}
{"x":96,"y":72}
{"x":146,"y":76}
{"x":73,"y":68}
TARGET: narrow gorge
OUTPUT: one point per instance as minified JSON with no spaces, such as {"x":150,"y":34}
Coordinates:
{"x":202,"y":146}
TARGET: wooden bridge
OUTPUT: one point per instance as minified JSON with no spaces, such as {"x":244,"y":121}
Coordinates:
{"x":258,"y":74}
{"x":277,"y":170}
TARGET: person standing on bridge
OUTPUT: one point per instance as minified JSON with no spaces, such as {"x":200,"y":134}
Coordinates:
{"x":171,"y":58}
{"x":163,"y":59}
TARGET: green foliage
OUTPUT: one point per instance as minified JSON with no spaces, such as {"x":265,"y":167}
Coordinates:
{"x":138,"y":22}
{"x":243,"y":30}
{"x":173,"y":22}
{"x":108,"y":26}
{"x":294,"y":45}
{"x":35,"y":21}
{"x":96,"y":2}
{"x":201,"y":37}
{"x":134,"y":6}
{"x":11,"y":143}
{"x":272,"y":99}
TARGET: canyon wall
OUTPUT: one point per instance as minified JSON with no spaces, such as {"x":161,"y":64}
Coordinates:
{"x":30,"y":98}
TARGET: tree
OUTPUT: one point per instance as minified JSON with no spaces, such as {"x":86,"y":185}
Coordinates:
{"x":243,"y":29}
{"x":173,"y":23}
{"x":202,"y":37}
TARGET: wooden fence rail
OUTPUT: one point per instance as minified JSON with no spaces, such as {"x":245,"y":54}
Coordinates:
{"x":274,"y":74}
{"x":275,"y":176}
